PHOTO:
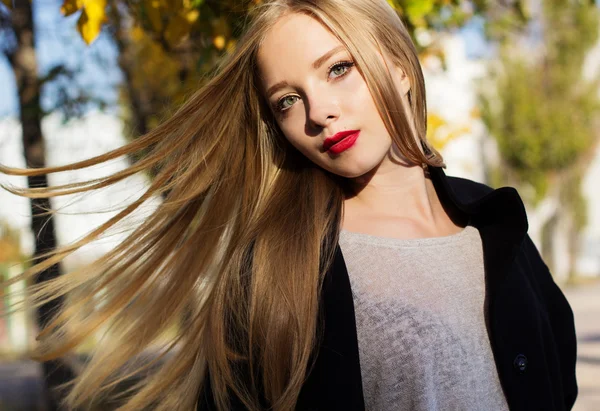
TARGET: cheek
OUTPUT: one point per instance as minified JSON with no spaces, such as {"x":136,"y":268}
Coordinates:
{"x":295,"y":136}
{"x":304,"y":144}
{"x":354,"y":95}
{"x":290,"y":133}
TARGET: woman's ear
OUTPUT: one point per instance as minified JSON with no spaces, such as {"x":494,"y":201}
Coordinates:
{"x":401,"y":80}
{"x":404,"y":81}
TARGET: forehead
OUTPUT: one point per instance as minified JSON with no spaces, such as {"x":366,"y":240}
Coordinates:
{"x":293,"y":43}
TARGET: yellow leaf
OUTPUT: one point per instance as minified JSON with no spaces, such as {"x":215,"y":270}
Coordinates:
{"x":91,"y":20}
{"x":192,"y":15}
{"x":95,"y":9}
{"x":440,"y":133}
{"x":70,"y":6}
{"x":219,"y":42}
{"x":8,"y":3}
{"x":154,"y":14}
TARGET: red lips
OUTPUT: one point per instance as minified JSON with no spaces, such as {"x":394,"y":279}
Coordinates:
{"x":329,"y":141}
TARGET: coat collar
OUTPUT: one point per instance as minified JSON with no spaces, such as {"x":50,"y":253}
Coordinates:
{"x":498,"y":214}
{"x":483,"y":205}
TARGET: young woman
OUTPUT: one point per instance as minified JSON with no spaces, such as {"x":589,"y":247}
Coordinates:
{"x":325,"y":260}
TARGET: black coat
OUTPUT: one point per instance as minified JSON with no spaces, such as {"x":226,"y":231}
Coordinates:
{"x":530,"y":322}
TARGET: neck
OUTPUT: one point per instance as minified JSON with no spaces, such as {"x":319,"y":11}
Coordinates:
{"x":401,"y":195}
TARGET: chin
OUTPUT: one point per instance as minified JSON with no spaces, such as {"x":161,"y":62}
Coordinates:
{"x":352,"y":171}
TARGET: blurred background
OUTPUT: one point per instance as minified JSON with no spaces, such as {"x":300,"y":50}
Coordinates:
{"x":513,"y":90}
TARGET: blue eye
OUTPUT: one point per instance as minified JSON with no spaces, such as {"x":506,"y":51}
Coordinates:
{"x":335,"y":68}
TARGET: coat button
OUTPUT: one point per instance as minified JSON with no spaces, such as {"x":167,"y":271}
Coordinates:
{"x":520,"y":363}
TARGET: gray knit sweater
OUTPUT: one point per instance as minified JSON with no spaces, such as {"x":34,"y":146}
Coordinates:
{"x":420,"y":319}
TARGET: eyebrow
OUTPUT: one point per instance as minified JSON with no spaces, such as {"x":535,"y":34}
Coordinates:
{"x":316,"y":65}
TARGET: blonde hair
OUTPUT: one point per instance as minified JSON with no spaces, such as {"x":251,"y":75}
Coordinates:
{"x":243,"y":238}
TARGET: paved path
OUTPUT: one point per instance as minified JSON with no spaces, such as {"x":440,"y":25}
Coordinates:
{"x":21,"y":389}
{"x":585,"y":301}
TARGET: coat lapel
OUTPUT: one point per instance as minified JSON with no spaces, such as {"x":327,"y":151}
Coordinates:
{"x":335,"y":382}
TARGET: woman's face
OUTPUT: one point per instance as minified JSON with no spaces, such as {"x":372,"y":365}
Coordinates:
{"x":314,"y":92}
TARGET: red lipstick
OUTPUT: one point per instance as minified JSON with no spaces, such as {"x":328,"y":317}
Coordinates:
{"x":340,"y":141}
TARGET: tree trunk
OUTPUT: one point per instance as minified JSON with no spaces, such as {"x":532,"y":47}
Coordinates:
{"x":24,"y":65}
{"x":140,"y":100}
{"x":138,"y":106}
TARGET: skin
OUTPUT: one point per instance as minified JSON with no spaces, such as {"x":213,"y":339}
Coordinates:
{"x":388,"y":197}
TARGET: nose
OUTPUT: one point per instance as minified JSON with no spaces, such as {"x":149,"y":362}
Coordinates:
{"x":321,"y":110}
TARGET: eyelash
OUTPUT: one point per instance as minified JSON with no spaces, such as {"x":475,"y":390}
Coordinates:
{"x":344,"y":63}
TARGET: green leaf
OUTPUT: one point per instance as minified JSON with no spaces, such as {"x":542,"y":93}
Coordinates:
{"x":418,"y":9}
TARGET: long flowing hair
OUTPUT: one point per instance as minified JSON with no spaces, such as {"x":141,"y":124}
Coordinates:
{"x":241,"y":242}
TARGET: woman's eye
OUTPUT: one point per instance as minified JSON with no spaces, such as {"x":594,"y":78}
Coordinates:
{"x":341,"y":68}
{"x":282,"y":104}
